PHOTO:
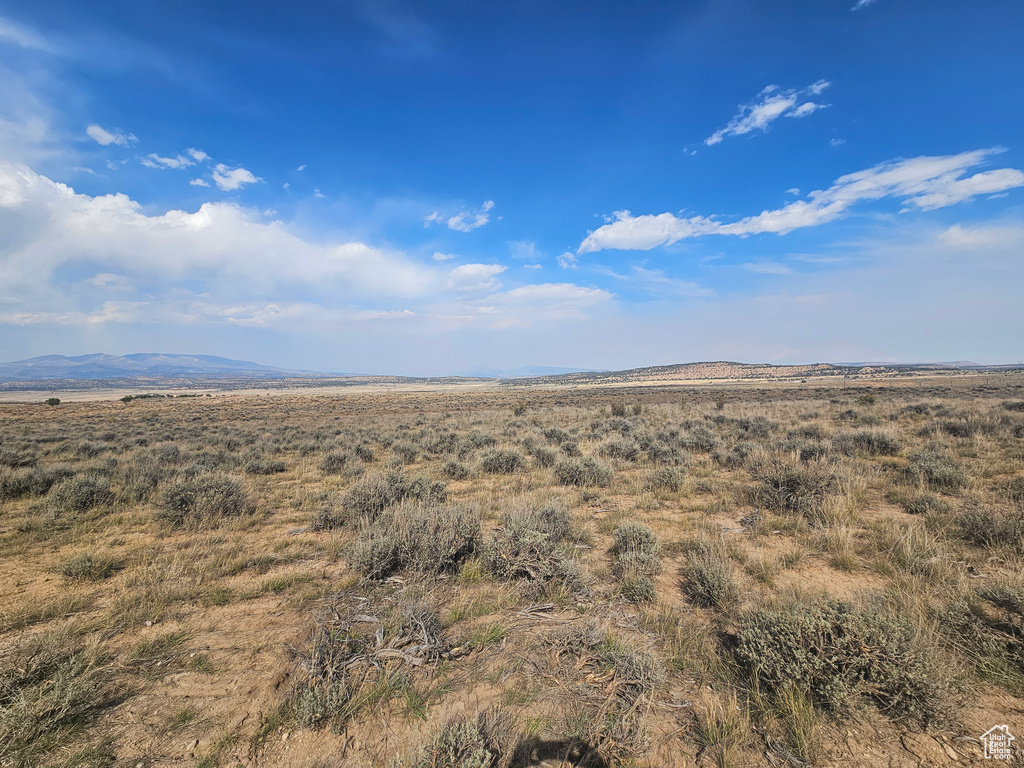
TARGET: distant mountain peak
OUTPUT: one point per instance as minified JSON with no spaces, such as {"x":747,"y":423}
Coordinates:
{"x":140,"y":365}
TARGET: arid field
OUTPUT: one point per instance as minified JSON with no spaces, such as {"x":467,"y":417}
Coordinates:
{"x":659,"y":576}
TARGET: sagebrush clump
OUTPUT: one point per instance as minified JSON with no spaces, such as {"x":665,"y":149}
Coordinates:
{"x":204,"y":499}
{"x":840,"y":654}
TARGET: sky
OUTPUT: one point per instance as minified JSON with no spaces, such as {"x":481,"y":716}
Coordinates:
{"x":428,"y":188}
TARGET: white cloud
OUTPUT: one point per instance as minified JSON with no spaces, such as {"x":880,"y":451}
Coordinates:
{"x":925,"y":183}
{"x":863,"y":4}
{"x":533,"y":266}
{"x":221,"y":244}
{"x":836,"y":142}
{"x":105,"y":138}
{"x":318,"y":194}
{"x":767,"y":268}
{"x":154,"y":160}
{"x":463,"y":221}
{"x":805,"y":109}
{"x":526,"y":250}
{"x":556,"y":294}
{"x":16,"y":34}
{"x":438,"y":256}
{"x":230,"y":179}
{"x":769,"y":105}
{"x":224,"y":264}
{"x":656,"y":281}
{"x":199,"y":183}
{"x":568,"y":260}
{"x":475,"y":277}
{"x":993,"y":236}
{"x":197,"y":154}
{"x":301,"y":167}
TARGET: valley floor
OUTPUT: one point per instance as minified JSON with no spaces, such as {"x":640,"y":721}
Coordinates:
{"x":716,"y":575}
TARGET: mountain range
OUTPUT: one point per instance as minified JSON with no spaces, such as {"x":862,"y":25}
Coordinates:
{"x":146,"y":365}
{"x":154,"y":366}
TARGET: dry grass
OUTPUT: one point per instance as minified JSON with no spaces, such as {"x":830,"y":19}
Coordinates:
{"x":603,"y":574}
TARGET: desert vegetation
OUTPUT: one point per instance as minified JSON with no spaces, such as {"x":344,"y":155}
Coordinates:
{"x":659,"y":576}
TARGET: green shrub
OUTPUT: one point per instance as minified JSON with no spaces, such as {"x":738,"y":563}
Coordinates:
{"x":138,"y":478}
{"x":371,"y":495}
{"x":665,"y":479}
{"x":921,"y":503}
{"x":32,"y":482}
{"x":86,"y":567}
{"x":936,"y":470}
{"x":489,"y":741}
{"x":425,"y":538}
{"x":455,"y":470}
{"x":867,"y":441}
{"x":787,"y":486}
{"x":502,"y":462}
{"x":335,"y":462}
{"x":544,"y":457}
{"x":557,"y":435}
{"x":326,"y":518}
{"x":532,"y":544}
{"x":584,"y":472}
{"x":52,"y":401}
{"x":204,"y":500}
{"x":624,"y":450}
{"x":406,"y":452}
{"x":77,"y":494}
{"x":635,"y":537}
{"x":990,"y":527}
{"x":700,"y":438}
{"x":16,"y":459}
{"x":640,"y":589}
{"x":707,"y":576}
{"x":264,"y":467}
{"x":839,"y":654}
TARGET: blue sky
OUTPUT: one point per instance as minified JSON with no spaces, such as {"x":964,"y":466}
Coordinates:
{"x":420,"y":188}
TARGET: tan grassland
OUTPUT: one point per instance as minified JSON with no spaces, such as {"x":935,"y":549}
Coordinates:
{"x":817,"y":572}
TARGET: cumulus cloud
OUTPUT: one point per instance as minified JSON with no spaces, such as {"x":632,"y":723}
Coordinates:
{"x":105,"y":138}
{"x":51,"y":226}
{"x":769,"y":105}
{"x":463,"y":221}
{"x":438,"y":256}
{"x":230,"y":179}
{"x":199,"y":183}
{"x":922,"y":183}
{"x":225,"y":264}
